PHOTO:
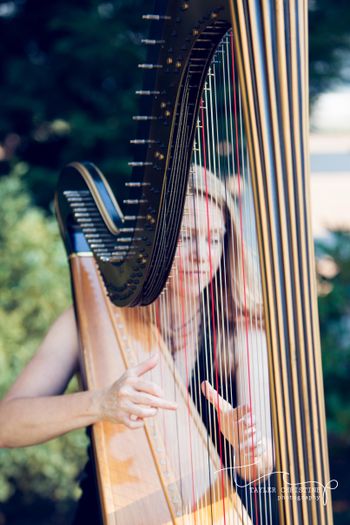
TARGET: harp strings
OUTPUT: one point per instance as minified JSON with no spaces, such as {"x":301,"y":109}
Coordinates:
{"x":206,"y":314}
{"x":255,"y":344}
{"x":246,"y":380}
{"x":254,"y":335}
{"x":208,"y":162}
{"x":225,"y":327}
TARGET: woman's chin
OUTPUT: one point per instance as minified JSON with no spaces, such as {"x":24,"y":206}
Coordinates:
{"x":193,"y":290}
{"x":189,"y":287}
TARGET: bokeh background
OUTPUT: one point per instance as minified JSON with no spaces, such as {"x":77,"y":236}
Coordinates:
{"x":68,"y":69}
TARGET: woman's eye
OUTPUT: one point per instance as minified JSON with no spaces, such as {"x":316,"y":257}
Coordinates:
{"x":185,"y":237}
{"x":215,"y":240}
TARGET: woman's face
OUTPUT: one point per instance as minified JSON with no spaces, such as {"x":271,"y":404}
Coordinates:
{"x":200,"y":249}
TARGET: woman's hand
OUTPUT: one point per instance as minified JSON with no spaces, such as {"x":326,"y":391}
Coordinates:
{"x":253,"y":456}
{"x":236,"y":424}
{"x":131,"y":398}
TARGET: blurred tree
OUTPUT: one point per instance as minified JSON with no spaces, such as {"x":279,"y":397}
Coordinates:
{"x":67,"y":69}
{"x":34,"y":289}
{"x":329,"y":44}
{"x":334,"y":310}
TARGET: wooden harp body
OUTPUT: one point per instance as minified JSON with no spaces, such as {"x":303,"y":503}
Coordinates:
{"x":223,"y":119}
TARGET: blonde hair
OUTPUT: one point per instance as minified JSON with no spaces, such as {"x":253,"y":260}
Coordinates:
{"x":242,"y":281}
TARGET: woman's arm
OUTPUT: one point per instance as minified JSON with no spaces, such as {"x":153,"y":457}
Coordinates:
{"x":34,"y":411}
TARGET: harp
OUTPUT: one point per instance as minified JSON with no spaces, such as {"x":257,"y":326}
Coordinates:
{"x":204,"y":254}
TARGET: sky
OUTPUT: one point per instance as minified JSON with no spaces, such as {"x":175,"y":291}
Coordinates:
{"x":330,"y":162}
{"x":332,"y":112}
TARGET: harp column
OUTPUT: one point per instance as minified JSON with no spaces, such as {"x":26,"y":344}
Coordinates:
{"x":271,"y":49}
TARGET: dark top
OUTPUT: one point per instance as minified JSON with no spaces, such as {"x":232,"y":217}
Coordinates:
{"x":89,"y":508}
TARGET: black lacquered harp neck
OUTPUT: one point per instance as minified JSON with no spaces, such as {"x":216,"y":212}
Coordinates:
{"x":136,"y":249}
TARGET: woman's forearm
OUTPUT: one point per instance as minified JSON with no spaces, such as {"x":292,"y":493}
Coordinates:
{"x":29,"y":421}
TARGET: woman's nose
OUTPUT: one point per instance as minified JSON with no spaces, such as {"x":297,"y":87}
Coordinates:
{"x":200,"y":249}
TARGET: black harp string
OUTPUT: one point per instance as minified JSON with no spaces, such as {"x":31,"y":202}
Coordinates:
{"x":207,"y":167}
{"x":237,"y":277}
{"x":208,"y":134}
{"x":214,"y":167}
{"x":227,"y":142}
{"x":232,"y":171}
{"x":224,"y":275}
{"x":194,"y":322}
{"x":207,"y":337}
{"x":199,"y":347}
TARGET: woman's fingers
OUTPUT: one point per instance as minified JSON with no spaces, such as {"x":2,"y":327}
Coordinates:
{"x":251,"y":439}
{"x":134,"y":423}
{"x":250,"y":432}
{"x":144,"y":366}
{"x":132,"y":409}
{"x":214,"y":397}
{"x":248,"y":450}
{"x":145,"y":395}
{"x":130,"y":399}
{"x":237,"y":424}
{"x":148,"y":387}
{"x":241,"y":415}
{"x":248,"y":440}
{"x":148,"y":393}
{"x":152,"y":401}
{"x":244,"y":414}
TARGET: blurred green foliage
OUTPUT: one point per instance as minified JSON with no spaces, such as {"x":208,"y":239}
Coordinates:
{"x":333,"y":257}
{"x":68,"y":70}
{"x":334,"y":312}
{"x":329,"y":44}
{"x":34,"y":289}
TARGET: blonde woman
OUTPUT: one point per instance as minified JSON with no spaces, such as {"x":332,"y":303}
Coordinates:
{"x":212,"y":319}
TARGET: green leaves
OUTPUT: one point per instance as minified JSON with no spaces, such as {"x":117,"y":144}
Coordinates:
{"x":334,"y":312}
{"x":74,"y":62}
{"x":34,"y":289}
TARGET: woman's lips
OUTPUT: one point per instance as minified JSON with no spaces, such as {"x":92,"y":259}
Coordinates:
{"x":196,"y":273}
